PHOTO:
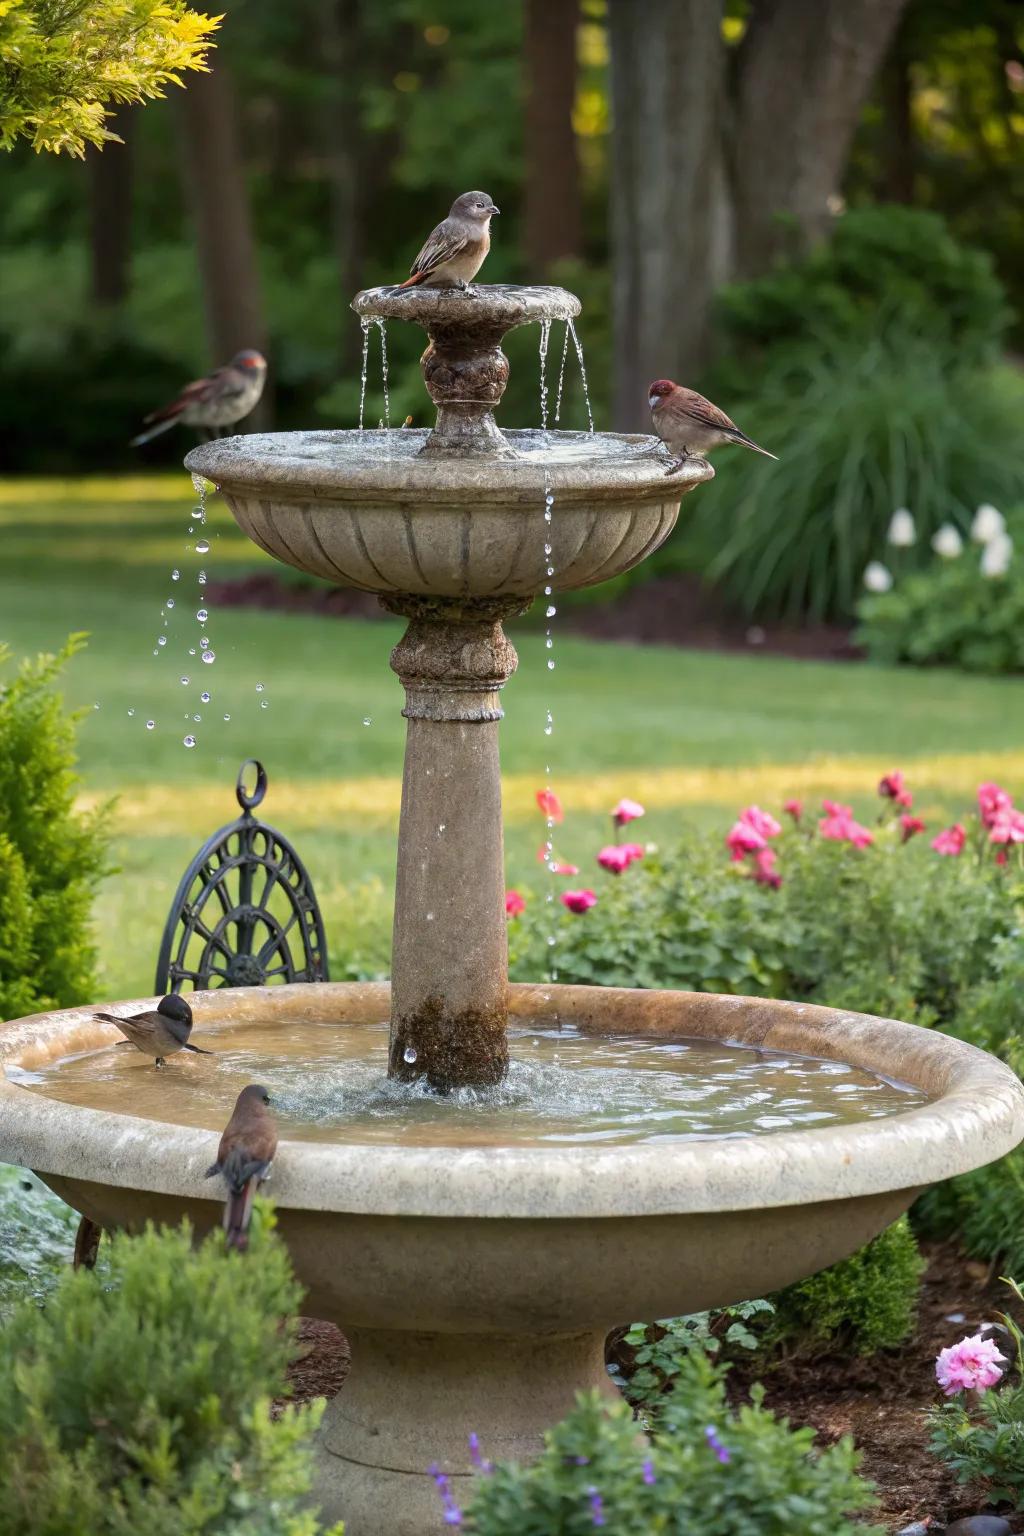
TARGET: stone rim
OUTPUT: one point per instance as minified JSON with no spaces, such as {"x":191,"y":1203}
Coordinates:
{"x":976,"y":1117}
{"x":490,"y":304}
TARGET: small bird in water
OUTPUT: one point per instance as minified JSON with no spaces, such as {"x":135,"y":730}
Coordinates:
{"x":454,"y":252}
{"x":159,"y":1032}
{"x":218,"y":401}
{"x":244,"y":1157}
{"x":690,"y":425}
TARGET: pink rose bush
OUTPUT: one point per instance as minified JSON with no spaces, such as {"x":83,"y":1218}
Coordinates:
{"x":951,"y":842}
{"x":515,"y":906}
{"x":579,"y":901}
{"x":973,"y":1364}
{"x":627,"y":810}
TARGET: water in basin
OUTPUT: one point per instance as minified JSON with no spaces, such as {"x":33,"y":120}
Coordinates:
{"x":564,"y":1088}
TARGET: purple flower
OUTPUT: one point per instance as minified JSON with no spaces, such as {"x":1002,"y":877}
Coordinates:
{"x":716,"y":1445}
{"x":649,"y":1476}
{"x":452,"y":1513}
{"x":475,"y":1456}
{"x":596,"y":1506}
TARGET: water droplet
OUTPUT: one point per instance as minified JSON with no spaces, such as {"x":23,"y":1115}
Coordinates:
{"x":202,"y":615}
{"x":550,"y":611}
{"x":547,"y":591}
{"x":549,"y":499}
{"x":197,"y":717}
{"x":205,"y":698}
{"x":409,"y":1054}
{"x":263,"y":703}
{"x":95,"y":706}
{"x":183,"y":681}
{"x":430,"y":917}
{"x":202,"y":546}
{"x":548,"y":643}
{"x":209,"y":656}
{"x":550,"y":571}
{"x":551,"y":665}
{"x":201,"y":578}
{"x":198,"y":514}
{"x":551,"y":940}
{"x":169,"y":603}
{"x":175,"y":575}
{"x":441,"y":825}
{"x":227,"y":717}
{"x":191,"y":650}
{"x":155,"y":651}
{"x":548,"y":729}
{"x":150,"y":724}
{"x":130,"y":713}
{"x":367,"y":720}
{"x":259,"y":687}
{"x":189,"y":741}
{"x":547,"y":549}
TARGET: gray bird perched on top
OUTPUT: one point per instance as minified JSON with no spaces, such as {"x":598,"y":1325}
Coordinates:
{"x":454,"y":252}
{"x":688,"y":424}
{"x":218,"y":401}
{"x":159,"y":1032}
{"x":244,"y":1157}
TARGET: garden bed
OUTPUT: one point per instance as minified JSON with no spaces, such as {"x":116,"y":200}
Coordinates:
{"x":880,"y":1401}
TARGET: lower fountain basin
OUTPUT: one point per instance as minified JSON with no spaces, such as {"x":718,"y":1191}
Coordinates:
{"x":477,"y":1283}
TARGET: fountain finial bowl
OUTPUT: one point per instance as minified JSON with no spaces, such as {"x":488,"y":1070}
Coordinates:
{"x":485,"y":305}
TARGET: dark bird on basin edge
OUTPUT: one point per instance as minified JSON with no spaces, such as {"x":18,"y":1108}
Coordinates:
{"x":244,"y":1157}
{"x":159,"y":1032}
{"x":218,"y":401}
{"x":454,"y":252}
{"x":690,"y":425}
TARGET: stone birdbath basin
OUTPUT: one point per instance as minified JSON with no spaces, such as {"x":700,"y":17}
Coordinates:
{"x":476,"y":1263}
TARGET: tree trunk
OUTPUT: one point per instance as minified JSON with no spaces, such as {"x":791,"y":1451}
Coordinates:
{"x":804,"y":70}
{"x":224,"y":235}
{"x":896,"y":183}
{"x":667,"y":104}
{"x":340,"y":29}
{"x":552,"y":215}
{"x":110,"y":216}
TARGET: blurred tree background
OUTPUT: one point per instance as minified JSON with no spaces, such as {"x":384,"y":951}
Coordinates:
{"x":810,"y":206}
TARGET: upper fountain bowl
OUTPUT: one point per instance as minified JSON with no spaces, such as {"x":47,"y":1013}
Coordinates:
{"x":497,"y":306}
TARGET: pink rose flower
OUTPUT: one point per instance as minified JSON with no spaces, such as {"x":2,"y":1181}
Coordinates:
{"x":992,"y":800}
{"x":973,"y":1363}
{"x":843,"y":828}
{"x":764,"y":871}
{"x":579,"y":901}
{"x":833,"y":808}
{"x":794,"y":808}
{"x":951,"y":841}
{"x":910,"y":825}
{"x":743,"y":839}
{"x":1006,"y":826}
{"x":760,"y":820}
{"x":627,"y":810}
{"x":550,"y":805}
{"x":514,"y":904}
{"x":635,"y":850}
{"x":891,"y":786}
{"x":614,"y":858}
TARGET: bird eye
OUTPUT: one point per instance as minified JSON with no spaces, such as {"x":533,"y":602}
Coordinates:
{"x":266,"y":1098}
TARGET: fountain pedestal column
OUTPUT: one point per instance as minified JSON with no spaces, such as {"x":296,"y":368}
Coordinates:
{"x":449,"y":968}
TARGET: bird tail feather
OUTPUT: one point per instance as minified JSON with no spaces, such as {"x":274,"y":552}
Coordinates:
{"x":238,"y":1214}
{"x":748,"y":442}
{"x":197,"y":1049}
{"x":108,"y":1018}
{"x":153,"y":431}
{"x":411,"y":282}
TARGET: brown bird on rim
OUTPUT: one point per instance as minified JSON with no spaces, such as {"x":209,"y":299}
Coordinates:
{"x":217,"y":401}
{"x":160,"y":1031}
{"x":454,"y":252}
{"x":244,"y":1157}
{"x":690,"y":425}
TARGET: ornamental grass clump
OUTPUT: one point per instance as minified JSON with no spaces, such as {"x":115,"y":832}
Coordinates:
{"x":142,"y":1402}
{"x":707,"y":1469}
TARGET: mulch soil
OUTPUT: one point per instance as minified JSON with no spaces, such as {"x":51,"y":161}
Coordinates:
{"x":881,"y":1402}
{"x":670,"y":610}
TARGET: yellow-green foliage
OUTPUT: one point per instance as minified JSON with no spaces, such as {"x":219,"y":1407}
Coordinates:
{"x":64,"y":64}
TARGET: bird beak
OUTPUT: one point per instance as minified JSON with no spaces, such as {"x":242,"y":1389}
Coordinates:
{"x":495,"y":210}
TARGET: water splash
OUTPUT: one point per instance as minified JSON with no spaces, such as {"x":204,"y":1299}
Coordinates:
{"x":561,"y":372}
{"x":365,"y":327}
{"x":545,"y":338}
{"x":382,"y":326}
{"x":583,"y":371}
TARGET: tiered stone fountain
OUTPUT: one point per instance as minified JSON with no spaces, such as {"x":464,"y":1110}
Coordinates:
{"x":476,"y":1282}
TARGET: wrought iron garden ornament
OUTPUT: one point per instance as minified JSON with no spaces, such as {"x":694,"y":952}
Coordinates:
{"x":245,"y":913}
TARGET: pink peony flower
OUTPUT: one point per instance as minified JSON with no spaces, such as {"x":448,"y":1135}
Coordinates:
{"x":550,"y":804}
{"x":635,"y":850}
{"x":743,"y":839}
{"x":627,"y":810}
{"x":1007,"y":826}
{"x":614,"y":858}
{"x":579,"y":901}
{"x":794,"y":808}
{"x":565,"y":869}
{"x":891,"y":787}
{"x":514,"y":904}
{"x":843,"y":828}
{"x":911,"y":825}
{"x":833,"y":808}
{"x":951,"y":841}
{"x":992,"y":800}
{"x":973,"y":1363}
{"x":764,"y":871}
{"x":760,"y":820}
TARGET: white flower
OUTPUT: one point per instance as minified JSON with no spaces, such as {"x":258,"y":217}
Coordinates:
{"x":996,"y":556}
{"x":947,"y":542}
{"x":877,"y":577}
{"x":988,"y":524}
{"x":902,"y":532}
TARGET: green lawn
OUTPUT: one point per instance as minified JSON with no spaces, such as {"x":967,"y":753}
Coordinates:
{"x":693,"y":735}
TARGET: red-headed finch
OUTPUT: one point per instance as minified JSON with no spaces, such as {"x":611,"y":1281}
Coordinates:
{"x":160,"y":1032}
{"x":244,"y":1157}
{"x":218,"y":401}
{"x":454,"y":252}
{"x":688,"y":424}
